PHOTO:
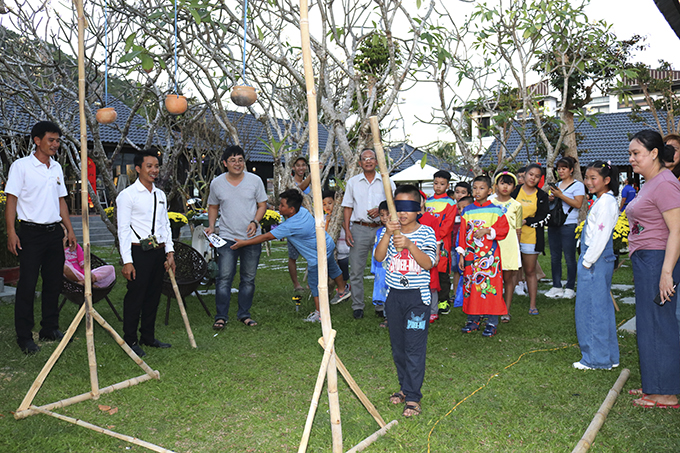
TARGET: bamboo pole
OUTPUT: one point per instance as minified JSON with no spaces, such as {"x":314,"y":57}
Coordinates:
{"x":118,"y":339}
{"x":361,"y":446}
{"x":616,"y":306}
{"x":587,"y":440}
{"x":28,"y":399}
{"x":182,"y":310}
{"x":317,"y":392}
{"x":382,"y":164}
{"x":356,"y":389}
{"x":108,"y":432}
{"x":84,"y":396}
{"x":332,"y":372}
{"x":89,"y":331}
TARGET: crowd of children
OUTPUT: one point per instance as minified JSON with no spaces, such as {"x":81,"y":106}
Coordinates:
{"x":485,"y":234}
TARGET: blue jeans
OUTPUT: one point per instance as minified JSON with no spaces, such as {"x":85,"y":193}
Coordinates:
{"x":250,"y":258}
{"x":594,"y":312}
{"x":657,"y":327}
{"x":562,"y":240}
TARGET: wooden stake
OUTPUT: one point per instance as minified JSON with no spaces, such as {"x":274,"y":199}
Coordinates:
{"x":182,"y":310}
{"x":382,"y":164}
{"x":85,"y":396}
{"x":587,"y":440}
{"x":372,"y":438}
{"x":332,"y":373}
{"x":616,"y":307}
{"x":356,"y":389}
{"x":317,"y":392}
{"x":132,"y":440}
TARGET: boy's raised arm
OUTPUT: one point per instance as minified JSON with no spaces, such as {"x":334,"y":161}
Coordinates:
{"x":252,"y":241}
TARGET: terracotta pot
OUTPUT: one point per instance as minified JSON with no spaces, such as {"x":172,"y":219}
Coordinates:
{"x":243,"y":95}
{"x":107,"y":115}
{"x":175,"y":104}
{"x":10,"y":274}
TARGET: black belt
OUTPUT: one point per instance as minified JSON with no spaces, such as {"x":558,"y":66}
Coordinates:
{"x":40,"y":226}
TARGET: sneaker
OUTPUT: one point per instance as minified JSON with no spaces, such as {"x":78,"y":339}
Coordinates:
{"x":555,"y":293}
{"x":580,"y":366}
{"x":314,"y":316}
{"x":28,"y":347}
{"x":340,"y":296}
{"x":489,"y":330}
{"x":471,"y":326}
{"x":50,"y":335}
{"x":569,"y":293}
{"x":433,"y":317}
{"x":358,"y":314}
{"x":444,"y":307}
{"x":519,"y":289}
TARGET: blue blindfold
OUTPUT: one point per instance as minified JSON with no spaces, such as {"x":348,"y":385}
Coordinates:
{"x":407,"y":206}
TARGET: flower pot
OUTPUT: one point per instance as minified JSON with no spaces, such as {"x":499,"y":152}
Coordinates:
{"x":175,"y":104}
{"x":10,"y":274}
{"x":107,"y":115}
{"x":176,"y":229}
{"x":243,"y":95}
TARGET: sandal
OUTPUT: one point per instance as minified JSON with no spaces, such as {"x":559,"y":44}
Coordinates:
{"x":648,"y":402}
{"x":248,"y":322}
{"x":219,"y":324}
{"x":533,"y":311}
{"x":411,"y":409}
{"x":505,"y":318}
{"x":636,"y":392}
{"x":397,"y":398}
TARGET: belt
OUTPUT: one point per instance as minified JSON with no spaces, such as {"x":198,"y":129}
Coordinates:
{"x":368,"y":224}
{"x":161,"y":245}
{"x":40,"y":226}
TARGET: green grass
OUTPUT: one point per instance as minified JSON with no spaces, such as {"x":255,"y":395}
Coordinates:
{"x":248,"y":389}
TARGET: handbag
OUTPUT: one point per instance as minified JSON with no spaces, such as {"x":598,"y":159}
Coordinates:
{"x":557,"y":214}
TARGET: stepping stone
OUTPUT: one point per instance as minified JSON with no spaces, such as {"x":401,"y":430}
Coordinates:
{"x":627,"y":300}
{"x":629,"y":326}
{"x":619,"y":287}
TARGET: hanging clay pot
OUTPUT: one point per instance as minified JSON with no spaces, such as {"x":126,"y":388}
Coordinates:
{"x":175,"y":104}
{"x":107,"y":115}
{"x":243,"y":95}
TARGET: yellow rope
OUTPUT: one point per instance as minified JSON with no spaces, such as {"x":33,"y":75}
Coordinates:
{"x":429,"y":435}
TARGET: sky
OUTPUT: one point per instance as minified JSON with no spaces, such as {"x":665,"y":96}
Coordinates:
{"x":627,"y":17}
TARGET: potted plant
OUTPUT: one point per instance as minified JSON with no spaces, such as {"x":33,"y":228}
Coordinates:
{"x":177,"y":221}
{"x":9,"y":263}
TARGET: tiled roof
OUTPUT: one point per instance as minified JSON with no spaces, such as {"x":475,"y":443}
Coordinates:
{"x":607,"y":140}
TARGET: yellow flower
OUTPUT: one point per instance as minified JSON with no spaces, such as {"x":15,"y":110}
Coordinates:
{"x":176,"y":217}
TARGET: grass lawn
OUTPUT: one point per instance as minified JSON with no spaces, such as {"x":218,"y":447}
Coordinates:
{"x":248,"y":389}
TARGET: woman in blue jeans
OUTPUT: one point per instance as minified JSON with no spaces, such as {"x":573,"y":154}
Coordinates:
{"x":654,"y":245}
{"x":595,"y":318}
{"x":562,"y":239}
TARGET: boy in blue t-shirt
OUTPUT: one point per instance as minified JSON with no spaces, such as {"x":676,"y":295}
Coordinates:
{"x":299,"y":228}
{"x":408,"y":255}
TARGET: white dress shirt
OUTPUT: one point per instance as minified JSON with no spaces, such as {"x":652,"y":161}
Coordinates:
{"x":361,"y":195}
{"x":37,"y":188}
{"x":602,"y":219}
{"x":135,"y":207}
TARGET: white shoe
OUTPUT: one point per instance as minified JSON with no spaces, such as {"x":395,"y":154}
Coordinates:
{"x":568,"y":294}
{"x":555,"y":293}
{"x":314,"y":316}
{"x":519,"y":290}
{"x":580,"y":366}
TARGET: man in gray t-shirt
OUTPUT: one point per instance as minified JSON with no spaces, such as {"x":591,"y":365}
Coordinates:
{"x":240,"y":199}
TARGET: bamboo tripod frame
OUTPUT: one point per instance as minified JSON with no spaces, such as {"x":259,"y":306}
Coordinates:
{"x":330,"y":362}
{"x":26,"y":408}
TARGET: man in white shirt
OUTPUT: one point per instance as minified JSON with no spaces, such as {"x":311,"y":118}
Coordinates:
{"x":241,"y":201}
{"x":35,"y":194}
{"x":363,"y":194}
{"x":145,"y":241}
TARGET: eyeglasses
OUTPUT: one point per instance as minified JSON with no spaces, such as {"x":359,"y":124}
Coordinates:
{"x":367,"y":159}
{"x":235,"y":161}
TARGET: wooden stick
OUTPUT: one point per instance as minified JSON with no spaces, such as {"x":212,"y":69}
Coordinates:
{"x":357,"y":390}
{"x":382,"y":164}
{"x":132,"y":440}
{"x":317,"y":393}
{"x":85,"y":396}
{"x":587,"y":440}
{"x":616,"y":307}
{"x":28,"y":399}
{"x":117,"y":338}
{"x":372,"y":438}
{"x":182,"y":310}
{"x":334,"y":401}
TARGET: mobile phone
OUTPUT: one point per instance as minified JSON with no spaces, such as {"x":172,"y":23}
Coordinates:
{"x":657,"y":299}
{"x":552,"y":184}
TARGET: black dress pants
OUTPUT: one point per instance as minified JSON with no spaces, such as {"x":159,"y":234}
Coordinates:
{"x":143,"y":295}
{"x":42,"y":253}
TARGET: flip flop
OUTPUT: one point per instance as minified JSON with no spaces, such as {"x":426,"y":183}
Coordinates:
{"x":533,"y":311}
{"x":248,"y":322}
{"x":505,"y":318}
{"x":641,"y":402}
{"x":636,"y":392}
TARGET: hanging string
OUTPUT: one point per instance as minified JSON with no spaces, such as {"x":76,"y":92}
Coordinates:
{"x":106,"y":54}
{"x":176,"y":47}
{"x":245,"y":38}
